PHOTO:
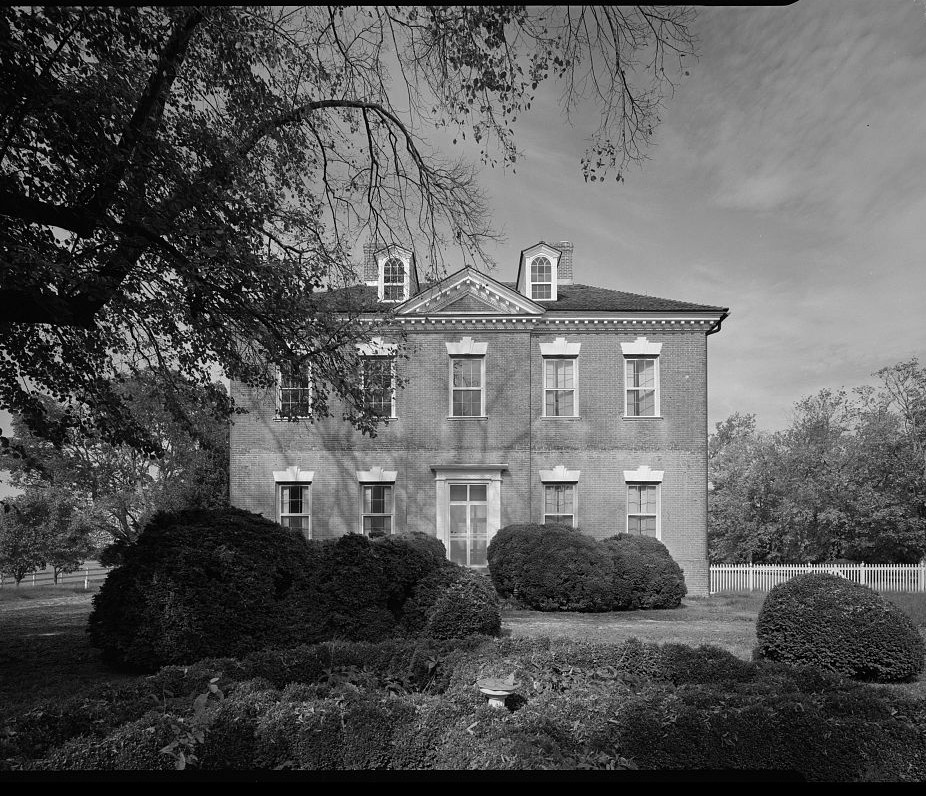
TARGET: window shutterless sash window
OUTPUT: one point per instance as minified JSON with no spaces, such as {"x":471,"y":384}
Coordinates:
{"x":642,"y":383}
{"x":295,"y":390}
{"x":559,"y":504}
{"x":393,"y":280}
{"x":559,"y":387}
{"x":467,"y":388}
{"x":541,"y":278}
{"x":295,"y":507}
{"x":378,"y":385}
{"x":642,"y":509}
{"x":377,"y":509}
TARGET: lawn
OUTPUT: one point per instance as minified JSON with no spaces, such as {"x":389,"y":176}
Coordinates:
{"x":45,"y":652}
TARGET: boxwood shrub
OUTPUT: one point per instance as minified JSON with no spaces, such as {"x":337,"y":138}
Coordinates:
{"x":200,"y":584}
{"x":830,"y":623}
{"x":555,"y":568}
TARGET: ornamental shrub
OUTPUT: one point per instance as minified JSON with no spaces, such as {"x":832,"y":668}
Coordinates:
{"x":468,"y":606}
{"x":202,"y":583}
{"x":646,"y":576}
{"x":551,"y":568}
{"x":830,"y":623}
{"x":555,"y":568}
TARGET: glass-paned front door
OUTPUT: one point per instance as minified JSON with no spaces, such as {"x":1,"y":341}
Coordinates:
{"x":468,"y":531}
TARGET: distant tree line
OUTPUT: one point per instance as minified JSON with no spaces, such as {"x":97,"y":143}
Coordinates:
{"x":846,"y":479}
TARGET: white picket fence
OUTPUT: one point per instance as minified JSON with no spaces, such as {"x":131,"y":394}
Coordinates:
{"x":763,"y":577}
{"x":90,"y":572}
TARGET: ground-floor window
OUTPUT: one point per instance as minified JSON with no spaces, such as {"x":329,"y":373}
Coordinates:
{"x":468,"y":528}
{"x":559,"y":504}
{"x":377,"y":509}
{"x":643,"y":509}
{"x":295,"y":507}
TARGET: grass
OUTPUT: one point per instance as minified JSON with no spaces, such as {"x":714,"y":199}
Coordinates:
{"x":12,"y":594}
{"x":45,"y":652}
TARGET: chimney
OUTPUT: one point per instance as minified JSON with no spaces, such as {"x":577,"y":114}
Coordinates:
{"x":564,"y":270}
{"x":370,"y":271}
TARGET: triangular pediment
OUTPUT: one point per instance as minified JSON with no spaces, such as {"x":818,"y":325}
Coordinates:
{"x":470,"y":292}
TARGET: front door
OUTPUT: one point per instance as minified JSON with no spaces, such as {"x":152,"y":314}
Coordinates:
{"x":468,"y":524}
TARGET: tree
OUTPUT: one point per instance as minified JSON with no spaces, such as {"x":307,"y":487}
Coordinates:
{"x":847,"y":478}
{"x":124,"y":486}
{"x":45,"y":526}
{"x":178,"y":186}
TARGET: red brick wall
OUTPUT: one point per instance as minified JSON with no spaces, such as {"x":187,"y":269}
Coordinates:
{"x":601,"y":444}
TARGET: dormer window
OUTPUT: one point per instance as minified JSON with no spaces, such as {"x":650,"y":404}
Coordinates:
{"x":395,"y":280}
{"x":541,"y":278}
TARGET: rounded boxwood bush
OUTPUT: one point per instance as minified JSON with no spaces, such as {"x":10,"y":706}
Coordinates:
{"x":199,"y":584}
{"x":830,"y":623}
{"x":646,"y":575}
{"x":468,"y":606}
{"x":551,"y":568}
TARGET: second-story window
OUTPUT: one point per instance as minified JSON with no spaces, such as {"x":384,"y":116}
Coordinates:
{"x":394,"y":280}
{"x":378,"y":385}
{"x":541,"y":278}
{"x":295,"y":390}
{"x":642,"y":380}
{"x":559,"y":387}
{"x":467,"y":390}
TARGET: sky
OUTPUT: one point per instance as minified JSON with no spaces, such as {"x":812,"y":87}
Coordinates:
{"x":787,"y":181}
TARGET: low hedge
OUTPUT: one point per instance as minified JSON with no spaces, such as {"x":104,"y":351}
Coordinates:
{"x":556,"y":568}
{"x":582,"y":705}
{"x":828,"y":622}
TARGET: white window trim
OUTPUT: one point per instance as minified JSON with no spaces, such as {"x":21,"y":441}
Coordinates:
{"x":575,"y":500}
{"x":377,"y":476}
{"x":554,"y":265}
{"x":644,"y":476}
{"x":575,"y":387}
{"x":363,"y":485}
{"x":364,"y":359}
{"x":657,"y":408}
{"x":482,"y":388}
{"x":293,"y":476}
{"x":658,"y":506}
{"x":381,"y":282}
{"x":279,"y":394}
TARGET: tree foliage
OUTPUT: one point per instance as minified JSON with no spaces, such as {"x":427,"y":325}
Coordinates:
{"x":46,"y":526}
{"x":124,"y":486}
{"x":179,"y":185}
{"x":847,"y":478}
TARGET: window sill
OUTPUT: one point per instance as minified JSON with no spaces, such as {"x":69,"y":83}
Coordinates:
{"x":467,"y":417}
{"x":293,"y":419}
{"x":561,"y":417}
{"x":642,"y":417}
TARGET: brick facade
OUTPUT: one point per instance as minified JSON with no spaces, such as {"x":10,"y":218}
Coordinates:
{"x":601,"y":443}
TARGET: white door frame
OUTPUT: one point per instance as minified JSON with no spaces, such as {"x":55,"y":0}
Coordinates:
{"x":488,"y":474}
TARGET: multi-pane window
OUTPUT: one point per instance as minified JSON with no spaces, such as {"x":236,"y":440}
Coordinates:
{"x":393,"y":280}
{"x":295,"y":507}
{"x":642,"y":509}
{"x":378,"y":388}
{"x":642,"y":383}
{"x":467,"y":386}
{"x":378,"y":503}
{"x":559,"y":387}
{"x":559,"y":504}
{"x":295,"y":390}
{"x":541,"y":278}
{"x":468,"y":524}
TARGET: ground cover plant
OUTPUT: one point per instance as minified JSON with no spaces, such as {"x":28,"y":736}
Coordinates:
{"x":201,"y":584}
{"x":412,"y":704}
{"x":557,"y":568}
{"x":831,"y":623}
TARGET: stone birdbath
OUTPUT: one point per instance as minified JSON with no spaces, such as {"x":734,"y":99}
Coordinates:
{"x":497,"y":689}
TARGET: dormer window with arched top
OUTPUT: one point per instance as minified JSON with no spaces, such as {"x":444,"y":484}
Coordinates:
{"x":394,"y":277}
{"x":541,"y":278}
{"x":394,"y":280}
